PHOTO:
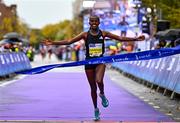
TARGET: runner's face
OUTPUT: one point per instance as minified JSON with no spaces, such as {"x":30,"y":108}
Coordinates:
{"x":94,"y":23}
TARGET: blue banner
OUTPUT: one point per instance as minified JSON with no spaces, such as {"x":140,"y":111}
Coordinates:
{"x":13,"y":62}
{"x":145,"y":55}
{"x":163,"y":72}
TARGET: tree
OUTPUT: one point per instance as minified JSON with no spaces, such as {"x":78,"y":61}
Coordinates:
{"x":170,"y":10}
{"x":13,"y":24}
{"x":62,"y":30}
{"x":22,"y":28}
{"x":35,"y":37}
{"x":77,"y":25}
{"x":6,"y":26}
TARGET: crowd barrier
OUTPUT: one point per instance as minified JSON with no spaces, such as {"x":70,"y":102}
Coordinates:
{"x":163,"y":72}
{"x":13,"y":62}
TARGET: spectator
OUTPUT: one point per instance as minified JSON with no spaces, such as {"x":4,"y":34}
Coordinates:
{"x":162,"y":43}
{"x":123,"y":26}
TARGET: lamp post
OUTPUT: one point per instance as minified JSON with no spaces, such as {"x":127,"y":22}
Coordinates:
{"x":151,"y":16}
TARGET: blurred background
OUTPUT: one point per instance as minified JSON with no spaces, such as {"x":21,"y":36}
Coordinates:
{"x":25,"y":23}
{"x":157,"y":20}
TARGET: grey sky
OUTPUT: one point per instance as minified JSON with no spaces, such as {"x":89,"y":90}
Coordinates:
{"x":37,"y":13}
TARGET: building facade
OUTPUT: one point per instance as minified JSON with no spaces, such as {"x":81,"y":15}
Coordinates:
{"x":7,"y":11}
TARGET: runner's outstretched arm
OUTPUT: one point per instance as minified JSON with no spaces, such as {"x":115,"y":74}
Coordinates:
{"x":64,"y":42}
{"x":122,"y":39}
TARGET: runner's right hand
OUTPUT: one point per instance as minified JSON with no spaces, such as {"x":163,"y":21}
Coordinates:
{"x":47,"y":42}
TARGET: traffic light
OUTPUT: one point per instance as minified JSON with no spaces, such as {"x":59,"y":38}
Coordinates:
{"x":146,"y":26}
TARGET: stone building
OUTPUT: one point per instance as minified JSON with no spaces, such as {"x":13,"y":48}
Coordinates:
{"x":7,"y":11}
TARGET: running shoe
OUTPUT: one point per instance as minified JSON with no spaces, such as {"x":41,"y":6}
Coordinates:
{"x":96,"y":114}
{"x":105,"y":101}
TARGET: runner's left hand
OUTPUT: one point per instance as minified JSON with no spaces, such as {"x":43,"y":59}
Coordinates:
{"x":141,"y":38}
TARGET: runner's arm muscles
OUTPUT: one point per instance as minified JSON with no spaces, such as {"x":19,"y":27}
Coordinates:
{"x":119,"y":38}
{"x":70,"y":41}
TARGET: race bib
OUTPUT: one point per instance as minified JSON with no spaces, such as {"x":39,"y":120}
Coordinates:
{"x":95,"y":49}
